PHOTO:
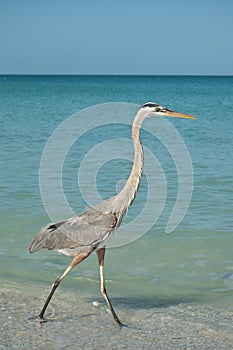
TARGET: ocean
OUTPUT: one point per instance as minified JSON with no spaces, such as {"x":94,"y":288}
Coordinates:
{"x":192,"y":264}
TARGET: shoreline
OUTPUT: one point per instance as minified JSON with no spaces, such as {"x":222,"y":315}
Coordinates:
{"x":78,"y":322}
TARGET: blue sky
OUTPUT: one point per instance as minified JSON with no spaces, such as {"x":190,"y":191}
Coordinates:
{"x":116,"y":36}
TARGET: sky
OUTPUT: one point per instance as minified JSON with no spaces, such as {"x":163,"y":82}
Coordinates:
{"x":116,"y":37}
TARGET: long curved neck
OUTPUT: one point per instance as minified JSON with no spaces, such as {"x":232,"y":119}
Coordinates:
{"x":136,"y":172}
{"x":120,"y":203}
{"x":125,"y":198}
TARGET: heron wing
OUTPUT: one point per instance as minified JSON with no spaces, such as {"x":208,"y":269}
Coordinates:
{"x":89,"y":228}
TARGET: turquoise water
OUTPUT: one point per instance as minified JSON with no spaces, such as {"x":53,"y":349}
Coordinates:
{"x":195,"y":262}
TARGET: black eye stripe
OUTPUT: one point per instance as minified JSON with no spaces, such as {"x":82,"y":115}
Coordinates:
{"x":150,"y":104}
{"x":157,"y":107}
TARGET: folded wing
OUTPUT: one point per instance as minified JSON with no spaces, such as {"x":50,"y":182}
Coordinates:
{"x":88,"y":229}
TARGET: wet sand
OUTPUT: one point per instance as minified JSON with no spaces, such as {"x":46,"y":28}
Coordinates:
{"x":78,"y":323}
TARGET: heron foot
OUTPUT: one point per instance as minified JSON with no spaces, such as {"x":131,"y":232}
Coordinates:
{"x":38,"y":318}
{"x":121,"y":325}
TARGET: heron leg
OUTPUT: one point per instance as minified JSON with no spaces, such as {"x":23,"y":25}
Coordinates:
{"x":100,"y":254}
{"x":74,"y":262}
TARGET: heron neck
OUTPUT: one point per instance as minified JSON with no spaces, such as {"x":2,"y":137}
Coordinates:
{"x":130,"y":189}
{"x":120,"y":203}
{"x":136,"y":172}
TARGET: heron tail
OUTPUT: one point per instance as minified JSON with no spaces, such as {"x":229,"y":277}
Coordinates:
{"x":38,"y":241}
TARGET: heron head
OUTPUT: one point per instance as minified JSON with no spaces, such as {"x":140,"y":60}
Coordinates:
{"x":153,"y":109}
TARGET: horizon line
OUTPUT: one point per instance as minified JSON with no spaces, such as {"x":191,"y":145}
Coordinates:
{"x":117,"y":74}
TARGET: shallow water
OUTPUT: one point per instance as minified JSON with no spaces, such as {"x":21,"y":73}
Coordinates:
{"x":195,"y":263}
{"x":80,"y":323}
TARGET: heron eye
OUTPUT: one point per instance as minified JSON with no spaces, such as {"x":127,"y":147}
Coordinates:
{"x":157,"y":109}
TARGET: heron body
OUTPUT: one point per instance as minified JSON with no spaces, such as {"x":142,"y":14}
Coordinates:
{"x":90,"y":231}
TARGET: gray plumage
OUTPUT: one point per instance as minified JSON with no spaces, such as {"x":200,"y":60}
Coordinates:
{"x":76,"y":235}
{"x":90,"y":231}
{"x":94,"y":227}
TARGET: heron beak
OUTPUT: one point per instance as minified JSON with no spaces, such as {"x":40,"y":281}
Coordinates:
{"x":170,"y":113}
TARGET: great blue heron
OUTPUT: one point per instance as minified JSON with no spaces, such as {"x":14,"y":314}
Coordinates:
{"x":89,"y":231}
